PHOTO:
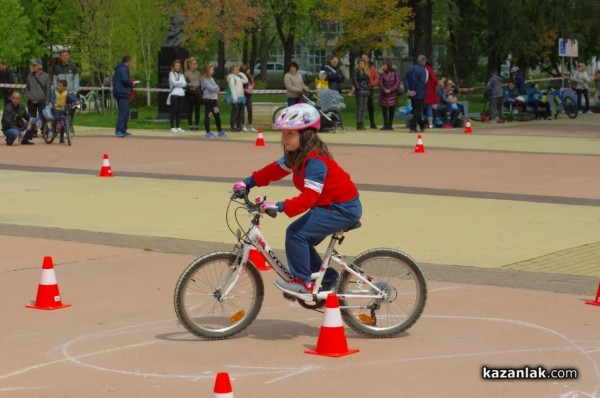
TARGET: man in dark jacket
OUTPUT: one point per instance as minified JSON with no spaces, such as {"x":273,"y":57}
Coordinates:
{"x":335,"y":77}
{"x":6,"y":77}
{"x":122,"y":85}
{"x":415,"y":82}
{"x":16,"y":122}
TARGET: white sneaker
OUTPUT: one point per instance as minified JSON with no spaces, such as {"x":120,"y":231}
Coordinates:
{"x":253,"y":129}
{"x":580,"y":113}
{"x":590,"y":112}
{"x":179,"y":130}
{"x":245,"y":129}
{"x":174,"y":130}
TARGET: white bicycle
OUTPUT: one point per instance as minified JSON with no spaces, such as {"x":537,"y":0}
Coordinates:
{"x":381,"y":292}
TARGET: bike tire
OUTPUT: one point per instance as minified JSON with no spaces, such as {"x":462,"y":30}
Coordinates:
{"x":199,"y":307}
{"x":402,"y":279}
{"x":523,"y":116}
{"x":277,"y":111}
{"x":569,"y":107}
{"x":68,"y":130}
{"x":47,"y":134}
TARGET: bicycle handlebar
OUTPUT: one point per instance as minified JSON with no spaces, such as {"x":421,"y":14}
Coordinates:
{"x":252,"y":207}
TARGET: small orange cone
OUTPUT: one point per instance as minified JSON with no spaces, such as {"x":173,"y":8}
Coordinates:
{"x":105,"y":171}
{"x":332,"y":338}
{"x":419,"y":148}
{"x":258,"y":259}
{"x":597,"y":301}
{"x":222,"y":386}
{"x":468,"y":128}
{"x":260,"y":141}
{"x":48,"y":296}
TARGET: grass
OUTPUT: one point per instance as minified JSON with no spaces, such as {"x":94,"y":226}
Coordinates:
{"x":147,"y":115}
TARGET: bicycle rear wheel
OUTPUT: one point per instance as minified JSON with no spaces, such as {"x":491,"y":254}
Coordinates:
{"x":199,"y":302}
{"x":523,"y":116}
{"x":569,"y":107}
{"x":399,"y":277}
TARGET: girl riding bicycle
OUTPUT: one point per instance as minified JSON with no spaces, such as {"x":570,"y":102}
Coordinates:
{"x":327,"y":195}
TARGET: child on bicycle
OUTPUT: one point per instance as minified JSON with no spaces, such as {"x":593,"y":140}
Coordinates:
{"x":328,"y":197}
{"x":59,"y":99}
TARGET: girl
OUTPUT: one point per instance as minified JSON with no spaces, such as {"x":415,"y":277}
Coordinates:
{"x":192,"y":92}
{"x":210,"y":93}
{"x":176,"y":95}
{"x":236,"y":81}
{"x":362,"y":86}
{"x":389,"y":84}
{"x":248,"y":89}
{"x":327,"y":195}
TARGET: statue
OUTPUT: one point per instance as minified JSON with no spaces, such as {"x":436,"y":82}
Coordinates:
{"x":175,"y":37}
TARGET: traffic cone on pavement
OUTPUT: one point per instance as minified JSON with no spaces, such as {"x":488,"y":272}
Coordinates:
{"x":48,"y":296}
{"x":105,"y":171}
{"x":222,"y":386}
{"x":260,"y":141}
{"x":419,"y":148}
{"x":597,"y":301}
{"x":468,"y":128}
{"x":332,"y":338}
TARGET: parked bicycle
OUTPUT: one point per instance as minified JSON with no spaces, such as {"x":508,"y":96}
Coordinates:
{"x":562,"y":102}
{"x":93,"y":101}
{"x":64,"y":126}
{"x":382,"y":292}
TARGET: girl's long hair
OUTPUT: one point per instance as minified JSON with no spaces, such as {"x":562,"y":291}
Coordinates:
{"x":309,"y":141}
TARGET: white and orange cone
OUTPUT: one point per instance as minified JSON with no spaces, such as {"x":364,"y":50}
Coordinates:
{"x":48,"y":296}
{"x":597,"y":300}
{"x":260,"y":141}
{"x":468,"y":128}
{"x":222,"y":386}
{"x":419,"y":148}
{"x":332,"y":338}
{"x":105,"y":171}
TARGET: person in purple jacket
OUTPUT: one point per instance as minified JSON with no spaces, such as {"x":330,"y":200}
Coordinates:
{"x":389,"y":84}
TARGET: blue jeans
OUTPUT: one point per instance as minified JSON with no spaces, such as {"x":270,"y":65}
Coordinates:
{"x":12,"y":134}
{"x":309,"y":230}
{"x":123,"y":105}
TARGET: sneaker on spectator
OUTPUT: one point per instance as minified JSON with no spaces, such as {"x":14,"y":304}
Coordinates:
{"x":209,"y":135}
{"x":120,"y":134}
{"x":296,"y":285}
{"x":245,"y":129}
{"x":174,"y":130}
{"x":253,"y":129}
{"x":590,"y":112}
{"x":580,"y":113}
{"x":222,"y":134}
{"x":180,"y":130}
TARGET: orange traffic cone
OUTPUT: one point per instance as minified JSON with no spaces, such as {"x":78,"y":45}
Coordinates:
{"x":597,"y":301}
{"x":258,"y":259}
{"x":260,"y":141}
{"x":419,"y":148}
{"x":468,"y":129}
{"x":222,"y":386}
{"x":332,"y":338}
{"x":105,"y":171}
{"x":48,"y":296}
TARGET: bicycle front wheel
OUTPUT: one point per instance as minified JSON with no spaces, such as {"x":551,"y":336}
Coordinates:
{"x":523,"y":116}
{"x":47,"y":134}
{"x":399,"y":277}
{"x":200,"y":303}
{"x":569,"y":107}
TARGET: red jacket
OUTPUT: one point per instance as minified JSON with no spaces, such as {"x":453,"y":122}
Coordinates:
{"x":321,"y":182}
{"x":431,"y":96}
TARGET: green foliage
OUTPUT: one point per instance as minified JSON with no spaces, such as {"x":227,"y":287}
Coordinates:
{"x":17,"y":40}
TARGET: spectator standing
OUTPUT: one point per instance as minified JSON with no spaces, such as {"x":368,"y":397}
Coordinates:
{"x":582,"y":79}
{"x":193,"y":93}
{"x":6,"y":77}
{"x":248,"y":89}
{"x":389,"y":86}
{"x":415,"y":84}
{"x":597,"y":82}
{"x":431,"y":100}
{"x":294,"y":84}
{"x":374,"y":79}
{"x":16,"y":123}
{"x":210,"y":94}
{"x":335,"y":77}
{"x":495,"y":93}
{"x":37,"y":90}
{"x":66,"y":70}
{"x":176,"y":96}
{"x":519,"y":80}
{"x":122,"y":86}
{"x":362,"y":85}
{"x":235,"y":82}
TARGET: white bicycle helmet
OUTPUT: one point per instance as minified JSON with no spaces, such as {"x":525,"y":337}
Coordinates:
{"x":514,"y":69}
{"x":297,"y":117}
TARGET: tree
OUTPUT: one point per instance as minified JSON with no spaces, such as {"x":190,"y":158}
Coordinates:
{"x":14,"y":46}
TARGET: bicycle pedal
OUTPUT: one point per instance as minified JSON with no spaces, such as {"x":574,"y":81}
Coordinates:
{"x":289,"y":297}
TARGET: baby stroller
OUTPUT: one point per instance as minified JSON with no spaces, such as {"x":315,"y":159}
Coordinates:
{"x":330,"y":103}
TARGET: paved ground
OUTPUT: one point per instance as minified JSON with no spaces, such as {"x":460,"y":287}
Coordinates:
{"x":504,"y":222}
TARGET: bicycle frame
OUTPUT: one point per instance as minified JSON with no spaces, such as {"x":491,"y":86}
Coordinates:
{"x":255,"y":238}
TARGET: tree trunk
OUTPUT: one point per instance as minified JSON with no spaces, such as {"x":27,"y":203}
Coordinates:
{"x":221,"y":60}
{"x":422,"y":35}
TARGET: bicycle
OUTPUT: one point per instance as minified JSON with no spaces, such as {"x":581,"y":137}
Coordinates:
{"x":93,"y":101}
{"x":563,"y":103}
{"x":381,"y":292}
{"x":517,"y":112}
{"x":64,"y":122}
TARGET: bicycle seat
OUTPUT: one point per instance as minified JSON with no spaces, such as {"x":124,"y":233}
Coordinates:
{"x":355,"y":226}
